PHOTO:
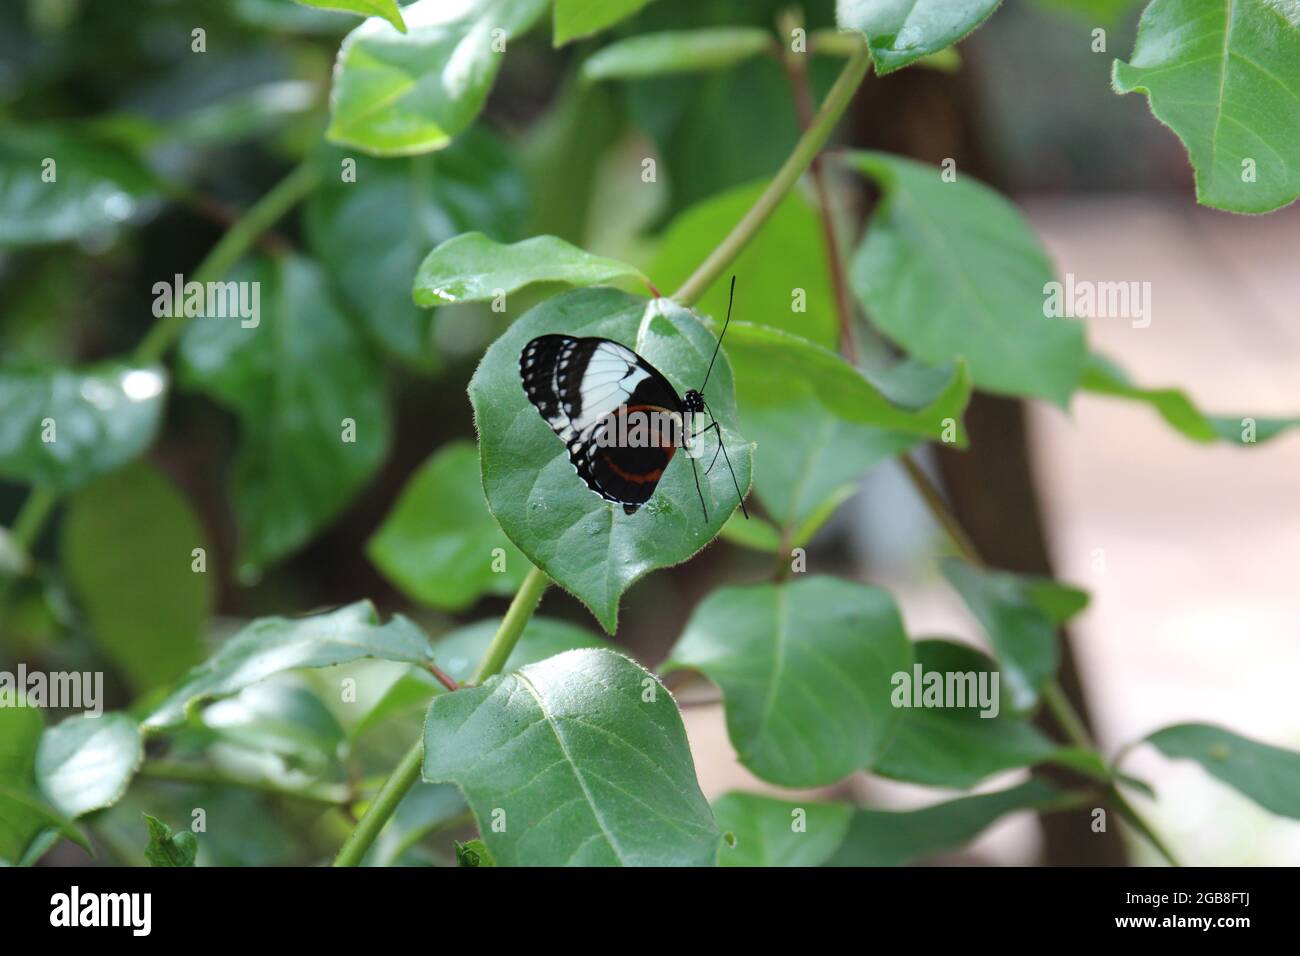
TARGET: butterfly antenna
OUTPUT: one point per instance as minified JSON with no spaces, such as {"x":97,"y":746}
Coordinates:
{"x":730,"y":298}
{"x":727,"y":458}
{"x":698,"y":491}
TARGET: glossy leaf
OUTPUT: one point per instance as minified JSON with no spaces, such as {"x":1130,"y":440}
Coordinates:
{"x":295,"y":380}
{"x":805,"y":669}
{"x":168,"y":849}
{"x":57,"y":186}
{"x":63,"y":427}
{"x":271,"y":645}
{"x":85,"y":763}
{"x":370,"y":235}
{"x":278,"y":718}
{"x":783,"y":259}
{"x":388,"y":9}
{"x":676,"y":51}
{"x":951,"y":269}
{"x":580,"y":759}
{"x":957,"y":747}
{"x":900,"y":32}
{"x":128,"y":543}
{"x":894,"y":838}
{"x":1173,"y":405}
{"x":439,"y":544}
{"x":473,"y":268}
{"x":396,"y":94}
{"x":1268,"y":775}
{"x":580,"y":18}
{"x":1224,"y":75}
{"x":771,"y":832}
{"x":584,"y":543}
{"x":1021,"y":616}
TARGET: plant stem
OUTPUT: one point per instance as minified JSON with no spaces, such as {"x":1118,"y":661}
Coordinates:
{"x":809,"y":145}
{"x":407,"y":773}
{"x":938,"y":509}
{"x":327,"y":794}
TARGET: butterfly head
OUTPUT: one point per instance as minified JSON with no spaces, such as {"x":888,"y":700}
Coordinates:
{"x":694,"y":402}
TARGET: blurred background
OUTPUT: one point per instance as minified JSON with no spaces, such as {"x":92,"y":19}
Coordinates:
{"x":1189,"y":551}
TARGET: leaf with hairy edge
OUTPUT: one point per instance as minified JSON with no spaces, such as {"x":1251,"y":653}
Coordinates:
{"x":950,"y":269}
{"x":581,"y":18}
{"x":270,"y":645}
{"x":388,"y":9}
{"x":1224,"y":75}
{"x":676,"y":51}
{"x":1268,"y":775}
{"x":580,"y":759}
{"x":473,"y":268}
{"x":396,"y":94}
{"x":771,"y":832}
{"x":900,"y":32}
{"x":805,"y":669}
{"x":584,"y":543}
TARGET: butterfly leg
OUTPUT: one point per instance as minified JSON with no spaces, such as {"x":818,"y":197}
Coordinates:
{"x":727,"y":458}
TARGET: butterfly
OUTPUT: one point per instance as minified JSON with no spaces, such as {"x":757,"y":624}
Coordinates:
{"x":593,"y":392}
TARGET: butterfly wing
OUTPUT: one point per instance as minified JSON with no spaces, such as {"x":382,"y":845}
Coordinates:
{"x":577,"y":384}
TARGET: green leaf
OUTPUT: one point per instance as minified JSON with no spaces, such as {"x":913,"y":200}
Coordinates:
{"x":396,"y":94}
{"x":893,"y":838}
{"x":388,"y":9}
{"x":63,"y":427}
{"x":128,"y":543}
{"x":957,"y":747}
{"x":473,"y":268}
{"x":166,"y":849}
{"x":474,"y":853}
{"x":270,"y":645}
{"x":783,"y":259}
{"x":279,"y":718}
{"x":580,"y":759}
{"x":370,"y":235}
{"x":754,"y":532}
{"x":96,"y":187}
{"x":951,"y":269}
{"x":21,"y":816}
{"x":771,"y":832}
{"x":294,"y":380}
{"x":805,"y":668}
{"x":676,"y":51}
{"x":85,"y":763}
{"x":586,"y":544}
{"x":1268,"y":775}
{"x":1103,"y":377}
{"x":1224,"y":75}
{"x":28,"y":827}
{"x":900,"y":32}
{"x":580,"y":18}
{"x":439,"y":543}
{"x":819,"y":423}
{"x":1021,"y":616}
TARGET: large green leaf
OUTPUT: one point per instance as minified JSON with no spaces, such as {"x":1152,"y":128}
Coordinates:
{"x":1268,"y":775}
{"x":371,"y":234}
{"x":63,"y":427}
{"x":951,"y":269}
{"x":1224,"y":75}
{"x":893,"y":838}
{"x":85,"y":763}
{"x":771,"y":832}
{"x":437,"y":543}
{"x":805,"y":667}
{"x":21,"y":817}
{"x":957,"y":747}
{"x":270,"y":645}
{"x":676,"y":51}
{"x":473,"y":268}
{"x":785,"y":256}
{"x":580,"y":18}
{"x":586,"y":544}
{"x":96,"y":186}
{"x":1021,"y":616}
{"x":1105,"y":378}
{"x":396,"y":94}
{"x":818,"y":423}
{"x":900,"y":32}
{"x":580,"y":759}
{"x":128,"y":545}
{"x":293,"y":380}
{"x":388,"y":9}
